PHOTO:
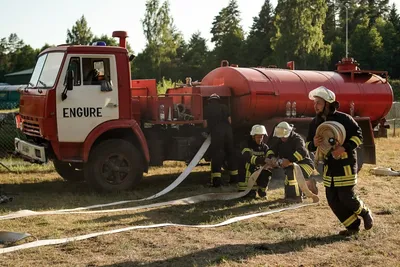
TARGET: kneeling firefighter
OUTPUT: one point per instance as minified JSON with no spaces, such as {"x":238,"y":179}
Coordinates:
{"x":288,"y":149}
{"x":253,"y":158}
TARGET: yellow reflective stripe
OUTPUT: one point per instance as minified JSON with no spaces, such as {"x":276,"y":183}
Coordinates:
{"x":242,"y":186}
{"x":325,"y":170}
{"x":298,"y":156}
{"x":307,"y":144}
{"x":356,"y":140}
{"x":344,"y":178}
{"x":348,"y":183}
{"x":246,"y":150}
{"x":350,"y":220}
{"x":215,"y":174}
{"x":327,"y":184}
{"x":253,"y":160}
{"x":347,"y":170}
{"x":235,"y":172}
{"x":248,"y":173}
{"x":292,"y":182}
{"x":270,"y":152}
{"x":306,"y":168}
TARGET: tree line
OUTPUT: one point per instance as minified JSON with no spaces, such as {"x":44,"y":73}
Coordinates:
{"x":310,"y":32}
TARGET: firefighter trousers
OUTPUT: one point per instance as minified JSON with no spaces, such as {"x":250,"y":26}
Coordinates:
{"x":346,"y":205}
{"x":292,"y":189}
{"x":221,"y":148}
{"x":262,"y":180}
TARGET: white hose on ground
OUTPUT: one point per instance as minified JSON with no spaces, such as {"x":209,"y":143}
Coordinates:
{"x":189,"y":200}
{"x":183,"y":201}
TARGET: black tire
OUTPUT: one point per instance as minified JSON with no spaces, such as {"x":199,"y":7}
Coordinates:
{"x":69,"y":171}
{"x":114,"y":165}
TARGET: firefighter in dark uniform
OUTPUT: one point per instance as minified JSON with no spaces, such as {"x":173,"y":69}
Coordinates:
{"x":288,"y":149}
{"x":218,"y":121}
{"x":340,"y":166}
{"x":253,"y":157}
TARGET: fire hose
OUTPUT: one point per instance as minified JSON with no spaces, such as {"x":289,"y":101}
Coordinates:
{"x":333,"y":134}
{"x":183,"y":201}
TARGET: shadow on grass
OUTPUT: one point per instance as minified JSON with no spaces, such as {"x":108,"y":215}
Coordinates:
{"x":236,"y":253}
{"x":60,"y":194}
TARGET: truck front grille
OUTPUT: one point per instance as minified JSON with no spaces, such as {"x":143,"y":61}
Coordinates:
{"x":31,"y":128}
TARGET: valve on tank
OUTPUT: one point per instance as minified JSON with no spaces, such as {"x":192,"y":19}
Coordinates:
{"x":288,"y":109}
{"x":294,"y":113}
{"x":352,"y":108}
{"x":162,"y":112}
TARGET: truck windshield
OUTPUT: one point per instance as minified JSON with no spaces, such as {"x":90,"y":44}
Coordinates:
{"x":46,"y":70}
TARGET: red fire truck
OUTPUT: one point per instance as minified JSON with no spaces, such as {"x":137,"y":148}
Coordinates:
{"x":82,"y":110}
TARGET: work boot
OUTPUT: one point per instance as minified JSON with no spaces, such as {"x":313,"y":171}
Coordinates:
{"x":233,"y":179}
{"x":252,"y":194}
{"x":349,"y":232}
{"x":262,"y":193}
{"x":217,"y":182}
{"x":368,"y":220}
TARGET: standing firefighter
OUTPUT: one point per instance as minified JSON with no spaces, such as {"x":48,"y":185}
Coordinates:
{"x":218,"y":121}
{"x":340,"y":166}
{"x":289,"y":149}
{"x":253,"y":157}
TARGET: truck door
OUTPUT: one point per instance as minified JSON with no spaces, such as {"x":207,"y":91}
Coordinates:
{"x":93,"y":100}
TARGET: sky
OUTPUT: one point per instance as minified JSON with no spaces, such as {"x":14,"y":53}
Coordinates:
{"x":37,"y":22}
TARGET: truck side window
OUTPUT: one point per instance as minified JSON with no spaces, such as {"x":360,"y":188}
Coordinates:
{"x":96,"y":70}
{"x":75,"y":66}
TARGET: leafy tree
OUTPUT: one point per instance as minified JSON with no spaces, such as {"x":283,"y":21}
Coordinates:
{"x":80,"y":33}
{"x":390,"y":56}
{"x":394,"y":18}
{"x":227,"y":34}
{"x":299,"y":34}
{"x":258,"y":44}
{"x":195,"y":59}
{"x":163,"y":40}
{"x":368,"y":54}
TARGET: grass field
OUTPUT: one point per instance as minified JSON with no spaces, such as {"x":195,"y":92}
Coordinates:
{"x":303,"y":237}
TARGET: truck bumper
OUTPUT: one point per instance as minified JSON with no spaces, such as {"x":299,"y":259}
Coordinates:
{"x":30,"y":151}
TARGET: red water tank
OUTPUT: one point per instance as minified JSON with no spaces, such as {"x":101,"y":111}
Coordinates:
{"x":259,"y":94}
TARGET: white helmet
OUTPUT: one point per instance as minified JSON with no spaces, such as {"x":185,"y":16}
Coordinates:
{"x":214,"y":96}
{"x":283,"y":130}
{"x":323,"y":93}
{"x":258,"y":129}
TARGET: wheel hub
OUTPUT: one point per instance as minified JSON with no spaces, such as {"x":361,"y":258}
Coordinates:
{"x":115,"y":169}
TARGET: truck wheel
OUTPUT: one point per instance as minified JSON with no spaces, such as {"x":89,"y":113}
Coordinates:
{"x":69,"y":171}
{"x":114,"y":165}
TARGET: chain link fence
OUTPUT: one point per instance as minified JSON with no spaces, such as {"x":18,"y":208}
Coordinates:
{"x":393,"y":118}
{"x":8,"y":131}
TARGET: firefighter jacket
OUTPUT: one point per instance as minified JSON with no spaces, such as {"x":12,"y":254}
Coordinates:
{"x":253,"y":156}
{"x":294,"y":149}
{"x":216,"y":115}
{"x":342,"y":171}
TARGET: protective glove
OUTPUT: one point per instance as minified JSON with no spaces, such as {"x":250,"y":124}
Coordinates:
{"x":271,"y":163}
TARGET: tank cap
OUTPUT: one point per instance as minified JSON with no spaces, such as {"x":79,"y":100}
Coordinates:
{"x":347,"y":64}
